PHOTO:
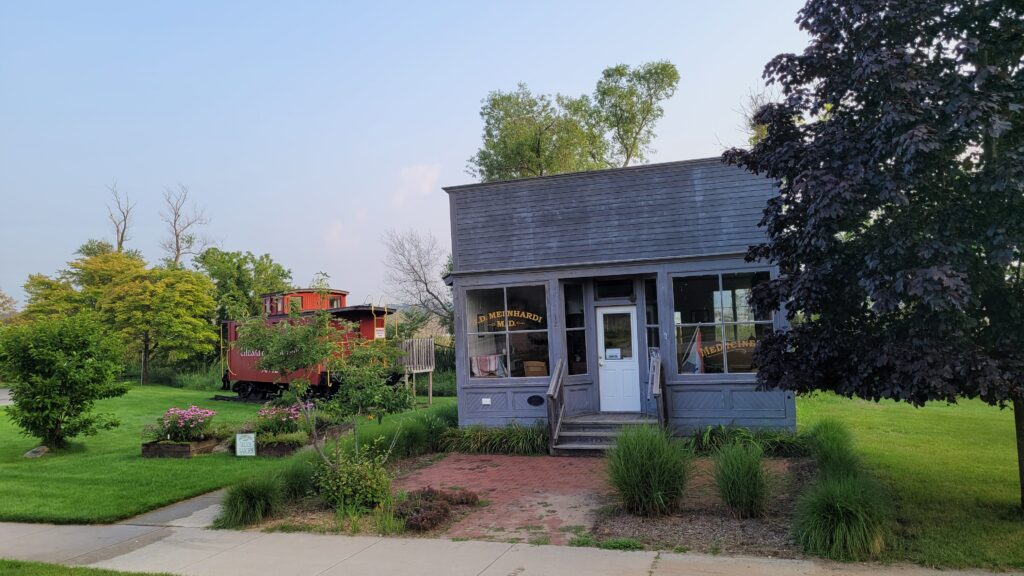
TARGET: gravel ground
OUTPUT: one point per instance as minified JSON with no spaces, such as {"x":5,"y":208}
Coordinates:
{"x":705,"y":525}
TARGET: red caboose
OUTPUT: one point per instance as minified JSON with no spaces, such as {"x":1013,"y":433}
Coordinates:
{"x":241,"y":372}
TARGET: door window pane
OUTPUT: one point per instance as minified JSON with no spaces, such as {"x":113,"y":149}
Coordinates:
{"x":576,"y":346}
{"x":700,"y":349}
{"x":736,"y":290}
{"x":616,"y":288}
{"x":485,"y":310}
{"x":618,"y":336}
{"x":527,"y":308}
{"x":528,"y":353}
{"x":487,"y":354}
{"x":574,"y":317}
{"x":740,"y":341}
{"x":696,"y":300}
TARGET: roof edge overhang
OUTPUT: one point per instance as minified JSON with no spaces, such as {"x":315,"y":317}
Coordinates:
{"x":584,"y":174}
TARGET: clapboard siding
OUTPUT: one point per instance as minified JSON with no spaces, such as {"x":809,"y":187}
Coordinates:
{"x":678,"y":209}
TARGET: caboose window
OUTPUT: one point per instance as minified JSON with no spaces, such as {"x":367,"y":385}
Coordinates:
{"x":334,"y":303}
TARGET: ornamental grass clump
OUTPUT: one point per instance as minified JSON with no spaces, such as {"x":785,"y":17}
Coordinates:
{"x":297,"y":479}
{"x":842,"y":518}
{"x":741,"y":479}
{"x":250,"y":502}
{"x":189,"y":425}
{"x":649,"y":469}
{"x":832,"y":447}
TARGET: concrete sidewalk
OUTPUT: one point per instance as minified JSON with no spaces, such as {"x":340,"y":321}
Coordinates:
{"x":5,"y":396}
{"x":202,"y":552}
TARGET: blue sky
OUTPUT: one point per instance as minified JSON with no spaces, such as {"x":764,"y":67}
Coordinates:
{"x":307,"y":129}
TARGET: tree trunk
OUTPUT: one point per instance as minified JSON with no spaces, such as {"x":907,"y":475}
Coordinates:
{"x":145,"y":358}
{"x":1018,"y":420}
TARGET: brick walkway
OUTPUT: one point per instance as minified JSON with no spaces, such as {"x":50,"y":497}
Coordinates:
{"x":532,"y":498}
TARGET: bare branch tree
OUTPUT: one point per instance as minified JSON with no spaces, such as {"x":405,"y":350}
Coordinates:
{"x":120,"y":216}
{"x":755,"y":101}
{"x":416,"y":263}
{"x":183,"y":219}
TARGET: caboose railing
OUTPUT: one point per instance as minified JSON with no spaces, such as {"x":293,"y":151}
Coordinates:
{"x":556,"y":403}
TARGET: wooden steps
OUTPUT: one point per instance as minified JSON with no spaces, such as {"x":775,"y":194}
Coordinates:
{"x":593,"y":434}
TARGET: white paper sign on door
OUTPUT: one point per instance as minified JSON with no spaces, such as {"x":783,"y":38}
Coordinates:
{"x":613,"y":354}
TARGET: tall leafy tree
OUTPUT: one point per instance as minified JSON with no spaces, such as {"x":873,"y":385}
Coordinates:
{"x":240,"y":279}
{"x":8,"y":306}
{"x":167,"y":315}
{"x":527,"y":134}
{"x":899,"y":226}
{"x":629,"y":103}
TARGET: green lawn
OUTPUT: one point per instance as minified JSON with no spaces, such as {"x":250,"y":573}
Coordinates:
{"x":15,"y":568}
{"x":102,"y":478}
{"x":954,"y":470}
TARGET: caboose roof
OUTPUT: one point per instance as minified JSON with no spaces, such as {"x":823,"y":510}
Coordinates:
{"x":305,"y":291}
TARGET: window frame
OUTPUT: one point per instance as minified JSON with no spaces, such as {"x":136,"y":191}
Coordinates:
{"x":505,"y":331}
{"x":723,"y":325}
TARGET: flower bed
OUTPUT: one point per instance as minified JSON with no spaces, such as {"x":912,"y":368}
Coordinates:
{"x":181,"y":433}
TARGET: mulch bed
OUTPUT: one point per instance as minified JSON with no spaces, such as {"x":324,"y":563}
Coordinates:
{"x":704,"y":524}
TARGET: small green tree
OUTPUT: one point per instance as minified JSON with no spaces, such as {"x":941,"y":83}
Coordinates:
{"x":364,"y":375}
{"x":58,"y":367}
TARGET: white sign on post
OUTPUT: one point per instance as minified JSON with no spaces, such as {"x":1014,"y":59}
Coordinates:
{"x":245,"y":444}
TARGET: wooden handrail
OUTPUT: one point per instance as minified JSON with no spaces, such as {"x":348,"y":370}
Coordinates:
{"x":556,"y":403}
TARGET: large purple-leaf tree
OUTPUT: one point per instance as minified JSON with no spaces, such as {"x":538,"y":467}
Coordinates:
{"x":898,"y":145}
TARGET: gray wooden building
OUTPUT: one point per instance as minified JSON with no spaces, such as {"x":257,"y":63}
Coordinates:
{"x":603,"y":297}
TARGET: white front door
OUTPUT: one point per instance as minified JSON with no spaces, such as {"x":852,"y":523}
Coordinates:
{"x":618,"y":365}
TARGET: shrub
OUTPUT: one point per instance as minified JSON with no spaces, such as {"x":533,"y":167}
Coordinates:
{"x":841,"y":518}
{"x":648,"y":469}
{"x":289,"y":439}
{"x":350,"y":481}
{"x":57,"y":369}
{"x":185,"y":425}
{"x":741,"y":479}
{"x":512,"y":439}
{"x":297,"y":479}
{"x":453,"y":497}
{"x":422,"y":515}
{"x":832,"y":446}
{"x":278,"y":420}
{"x":250,"y":502}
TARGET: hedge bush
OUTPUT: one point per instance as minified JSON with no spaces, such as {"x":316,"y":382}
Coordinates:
{"x":358,"y":483}
{"x":649,"y":469}
{"x":741,"y":479}
{"x":774,"y":443}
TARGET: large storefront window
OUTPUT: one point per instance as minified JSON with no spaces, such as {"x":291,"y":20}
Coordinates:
{"x":716,"y":327}
{"x":507,"y":332}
